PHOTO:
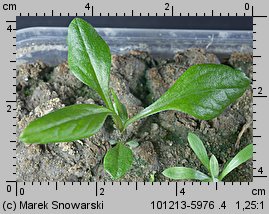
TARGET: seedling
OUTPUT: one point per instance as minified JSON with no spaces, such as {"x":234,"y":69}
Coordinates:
{"x":211,"y":164}
{"x":203,"y":91}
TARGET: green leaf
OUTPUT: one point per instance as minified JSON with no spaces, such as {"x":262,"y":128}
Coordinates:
{"x":214,"y":167}
{"x":181,"y":173}
{"x":89,"y":57}
{"x":199,"y":149}
{"x":227,"y":162}
{"x":132,"y":144}
{"x":152,"y":177}
{"x":203,"y":91}
{"x":66,"y":124}
{"x":118,"y":161}
{"x":241,"y":157}
{"x":112,"y":142}
{"x":119,"y":108}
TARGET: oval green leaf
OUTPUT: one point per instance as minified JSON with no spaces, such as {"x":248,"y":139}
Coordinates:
{"x":199,"y":149}
{"x":203,"y":91}
{"x":214,"y":167}
{"x":89,"y":57}
{"x":184,"y":173}
{"x":67,"y":124}
{"x":241,"y":157}
{"x":118,"y":161}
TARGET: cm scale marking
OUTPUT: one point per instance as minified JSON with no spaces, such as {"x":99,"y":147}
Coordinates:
{"x":190,"y":195}
{"x":136,"y":196}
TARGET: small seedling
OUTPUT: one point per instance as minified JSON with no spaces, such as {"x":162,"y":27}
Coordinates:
{"x":203,"y":91}
{"x":211,"y":164}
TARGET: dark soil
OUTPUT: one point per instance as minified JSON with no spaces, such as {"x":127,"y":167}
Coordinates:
{"x":138,"y":79}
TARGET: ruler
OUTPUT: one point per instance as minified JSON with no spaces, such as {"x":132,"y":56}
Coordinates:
{"x":133,"y":197}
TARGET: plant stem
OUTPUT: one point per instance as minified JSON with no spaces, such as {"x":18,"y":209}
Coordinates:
{"x":107,"y":101}
{"x":117,"y":120}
